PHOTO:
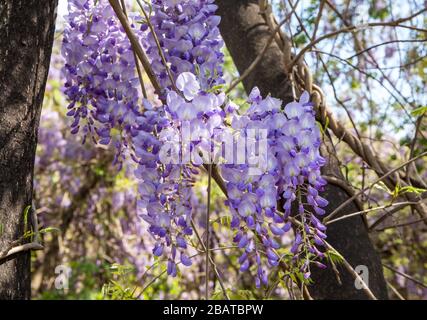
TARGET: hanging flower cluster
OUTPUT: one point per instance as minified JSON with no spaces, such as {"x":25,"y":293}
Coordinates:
{"x":100,"y":80}
{"x":164,"y":191}
{"x":298,"y":151}
{"x":287,"y":169}
{"x":280,"y":173}
{"x":189,"y":36}
{"x":190,"y":42}
{"x":166,"y":179}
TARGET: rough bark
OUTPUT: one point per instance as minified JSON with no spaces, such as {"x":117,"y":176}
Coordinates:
{"x":245,"y":34}
{"x":26,"y":38}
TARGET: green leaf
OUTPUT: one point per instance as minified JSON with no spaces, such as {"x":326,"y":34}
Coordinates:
{"x":216,"y":88}
{"x":300,"y":40}
{"x":382,"y":186}
{"x":225,"y":221}
{"x":26,"y":211}
{"x":355,"y":84}
{"x":419,"y":111}
{"x":48,"y":230}
{"x":233,"y":295}
{"x":334,"y":256}
{"x":411,"y":189}
{"x":292,"y":276}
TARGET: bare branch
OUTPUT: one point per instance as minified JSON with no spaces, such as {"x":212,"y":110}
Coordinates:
{"x":422,"y":284}
{"x":348,"y":201}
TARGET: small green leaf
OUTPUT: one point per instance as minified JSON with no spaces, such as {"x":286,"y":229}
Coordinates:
{"x":411,"y":189}
{"x":294,"y":279}
{"x":419,"y":111}
{"x":26,"y":211}
{"x":334,"y":256}
{"x":300,"y":40}
{"x":225,"y":221}
{"x":48,"y":230}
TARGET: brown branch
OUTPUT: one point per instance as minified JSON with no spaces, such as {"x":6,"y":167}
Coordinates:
{"x":395,"y":23}
{"x":383,"y":44}
{"x":13,"y":248}
{"x":348,"y":201}
{"x":395,"y":291}
{"x":135,"y":44}
{"x":363,"y":212}
{"x":404,"y":224}
{"x":20,"y":248}
{"x":138,"y":67}
{"x":159,"y":47}
{"x":422,"y":284}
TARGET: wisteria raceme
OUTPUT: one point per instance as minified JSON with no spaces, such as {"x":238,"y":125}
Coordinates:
{"x":190,"y":40}
{"x":163,"y":192}
{"x":290,"y":170}
{"x":169,"y":142}
{"x":102,"y":88}
{"x":197,"y":111}
{"x":166,"y":178}
{"x":253,"y":200}
{"x":99,"y":72}
{"x":298,"y":152}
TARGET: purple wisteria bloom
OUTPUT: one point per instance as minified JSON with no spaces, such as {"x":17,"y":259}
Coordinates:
{"x":164,"y":190}
{"x":191,"y":43}
{"x":281,"y":174}
{"x":100,"y":78}
{"x":189,"y":36}
{"x":289,"y":171}
{"x":302,"y":181}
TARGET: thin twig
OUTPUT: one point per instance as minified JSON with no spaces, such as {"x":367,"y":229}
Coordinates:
{"x":347,"y":265}
{"x":221,"y":283}
{"x":397,"y":293}
{"x":138,"y":67}
{"x":395,"y":23}
{"x":400,"y":204}
{"x":383,"y":44}
{"x":349,"y":200}
{"x":208,"y":213}
{"x":319,"y":15}
{"x":413,"y":144}
{"x":355,"y":275}
{"x":403,"y":224}
{"x":391,"y":212}
{"x":422,"y":284}
{"x":135,"y":44}
{"x":158,"y":277}
{"x":159,"y":47}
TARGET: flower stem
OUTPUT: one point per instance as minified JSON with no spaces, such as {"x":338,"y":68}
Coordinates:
{"x":208,"y":211}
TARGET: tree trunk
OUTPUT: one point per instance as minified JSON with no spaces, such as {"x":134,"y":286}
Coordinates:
{"x":245,"y":33}
{"x":26,"y":38}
